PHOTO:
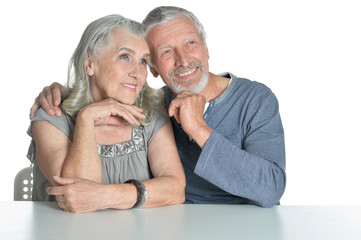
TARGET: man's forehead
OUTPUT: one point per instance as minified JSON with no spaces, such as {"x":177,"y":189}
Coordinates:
{"x":176,"y":25}
{"x":182,"y":29}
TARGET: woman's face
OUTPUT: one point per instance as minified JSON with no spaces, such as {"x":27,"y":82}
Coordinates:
{"x":119,"y":70}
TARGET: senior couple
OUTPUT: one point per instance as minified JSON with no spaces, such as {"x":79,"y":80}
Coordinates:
{"x":108,"y":140}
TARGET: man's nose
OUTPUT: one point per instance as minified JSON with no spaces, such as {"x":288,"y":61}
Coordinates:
{"x":182,"y":58}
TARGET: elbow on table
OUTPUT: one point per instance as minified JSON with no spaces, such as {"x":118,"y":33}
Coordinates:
{"x":268,"y":203}
{"x":273,"y":197}
{"x":181,"y":198}
{"x":179,"y":195}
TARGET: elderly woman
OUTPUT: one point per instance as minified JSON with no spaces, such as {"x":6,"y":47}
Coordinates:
{"x":113,"y":147}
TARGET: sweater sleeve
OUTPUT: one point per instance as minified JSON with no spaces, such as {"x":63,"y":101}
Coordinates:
{"x":250,"y":164}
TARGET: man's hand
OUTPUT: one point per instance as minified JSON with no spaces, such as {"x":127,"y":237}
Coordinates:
{"x":49,"y":99}
{"x":188,"y":108}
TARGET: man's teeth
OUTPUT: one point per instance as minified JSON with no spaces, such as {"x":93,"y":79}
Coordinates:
{"x":187,"y":73}
{"x":127,"y":85}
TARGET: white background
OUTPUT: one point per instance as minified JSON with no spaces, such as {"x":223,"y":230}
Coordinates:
{"x":308,"y":52}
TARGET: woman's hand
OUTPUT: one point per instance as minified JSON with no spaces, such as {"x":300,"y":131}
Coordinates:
{"x":102,"y":112}
{"x":79,"y":195}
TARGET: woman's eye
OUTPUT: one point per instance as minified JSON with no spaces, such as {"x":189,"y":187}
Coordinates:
{"x":144,"y":62}
{"x":124,"y":57}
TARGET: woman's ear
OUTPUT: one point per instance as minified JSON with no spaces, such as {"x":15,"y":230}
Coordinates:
{"x":89,"y":65}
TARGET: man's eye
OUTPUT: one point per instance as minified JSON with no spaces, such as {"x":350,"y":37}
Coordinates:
{"x":166,"y":51}
{"x":191,"y":42}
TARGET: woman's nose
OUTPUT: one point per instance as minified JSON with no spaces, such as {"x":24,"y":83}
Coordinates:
{"x":135,"y":72}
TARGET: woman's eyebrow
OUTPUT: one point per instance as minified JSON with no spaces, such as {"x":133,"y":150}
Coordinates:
{"x":132,"y":51}
{"x":126,"y":49}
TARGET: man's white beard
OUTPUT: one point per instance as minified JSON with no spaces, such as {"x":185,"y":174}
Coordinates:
{"x":177,"y":88}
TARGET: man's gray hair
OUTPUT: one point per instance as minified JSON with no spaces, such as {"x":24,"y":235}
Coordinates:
{"x":164,"y":14}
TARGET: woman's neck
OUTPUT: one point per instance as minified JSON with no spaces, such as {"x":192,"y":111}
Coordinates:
{"x":112,"y":130}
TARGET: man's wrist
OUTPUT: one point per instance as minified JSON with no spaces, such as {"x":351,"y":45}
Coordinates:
{"x":201,"y":135}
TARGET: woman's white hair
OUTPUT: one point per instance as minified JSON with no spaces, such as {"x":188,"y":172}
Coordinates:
{"x":94,"y":39}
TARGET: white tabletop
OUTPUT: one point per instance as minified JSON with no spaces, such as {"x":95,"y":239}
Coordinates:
{"x":41,"y":220}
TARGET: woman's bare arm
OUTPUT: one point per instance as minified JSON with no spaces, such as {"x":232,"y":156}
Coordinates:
{"x":166,"y":188}
{"x":58,"y":156}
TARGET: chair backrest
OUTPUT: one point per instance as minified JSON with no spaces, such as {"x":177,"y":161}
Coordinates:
{"x":23,"y":185}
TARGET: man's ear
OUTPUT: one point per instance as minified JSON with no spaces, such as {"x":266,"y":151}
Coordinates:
{"x":154,"y":71}
{"x":89,"y":66}
{"x":207,"y":52}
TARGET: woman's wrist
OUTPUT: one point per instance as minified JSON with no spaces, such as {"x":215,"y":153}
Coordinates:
{"x":141,"y":192}
{"x":120,"y":196}
{"x":84,"y":116}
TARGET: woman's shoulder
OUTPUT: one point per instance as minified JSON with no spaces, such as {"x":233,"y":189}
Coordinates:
{"x":64,"y":123}
{"x":159,"y":119}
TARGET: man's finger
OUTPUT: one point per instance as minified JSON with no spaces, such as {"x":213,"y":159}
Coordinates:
{"x":45,"y":105}
{"x":33,"y":109}
{"x":47,"y":93}
{"x":56,"y":93}
{"x":173,"y":111}
{"x":174,"y":106}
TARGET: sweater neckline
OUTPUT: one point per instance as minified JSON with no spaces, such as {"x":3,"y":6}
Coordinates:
{"x":233,"y":79}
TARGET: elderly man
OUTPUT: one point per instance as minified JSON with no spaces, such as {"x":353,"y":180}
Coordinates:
{"x":228,"y":130}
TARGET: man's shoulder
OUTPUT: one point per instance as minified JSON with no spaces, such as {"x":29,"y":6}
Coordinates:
{"x":248,"y":83}
{"x":168,"y":96}
{"x":166,"y":89}
{"x":244,"y":85}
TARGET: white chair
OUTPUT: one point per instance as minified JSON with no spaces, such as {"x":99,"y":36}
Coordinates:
{"x":23,"y":185}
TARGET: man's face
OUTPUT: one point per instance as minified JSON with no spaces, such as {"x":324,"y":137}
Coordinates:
{"x":179,"y":55}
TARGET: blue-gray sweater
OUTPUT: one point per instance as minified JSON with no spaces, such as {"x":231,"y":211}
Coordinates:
{"x":243,"y":161}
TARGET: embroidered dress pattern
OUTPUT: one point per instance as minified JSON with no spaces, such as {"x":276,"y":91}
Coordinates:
{"x":121,"y":149}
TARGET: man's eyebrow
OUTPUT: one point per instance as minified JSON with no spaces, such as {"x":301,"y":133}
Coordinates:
{"x":163,"y":47}
{"x":192,"y":36}
{"x":186,"y":38}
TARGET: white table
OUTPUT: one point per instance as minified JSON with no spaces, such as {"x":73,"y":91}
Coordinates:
{"x":41,"y":220}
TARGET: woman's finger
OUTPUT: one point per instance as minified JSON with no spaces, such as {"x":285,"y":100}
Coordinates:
{"x":136,"y":111}
{"x":128,"y":117}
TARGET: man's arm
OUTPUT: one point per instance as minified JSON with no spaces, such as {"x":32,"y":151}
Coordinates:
{"x":251,"y":166}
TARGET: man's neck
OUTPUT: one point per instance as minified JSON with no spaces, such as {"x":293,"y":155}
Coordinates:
{"x":215,"y":87}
